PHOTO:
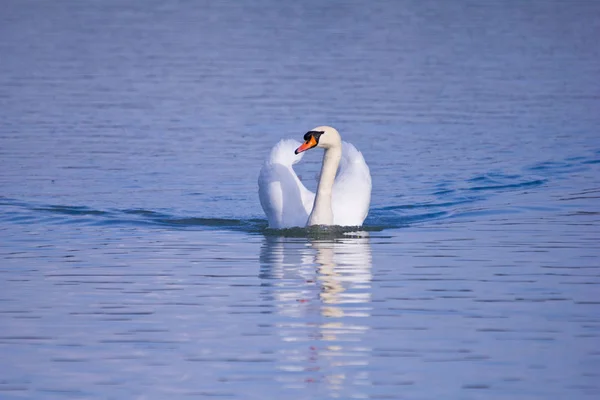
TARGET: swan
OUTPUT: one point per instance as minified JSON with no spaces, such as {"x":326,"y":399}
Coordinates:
{"x":340,"y":200}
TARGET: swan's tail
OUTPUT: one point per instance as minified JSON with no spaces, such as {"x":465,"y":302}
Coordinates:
{"x":283,"y":153}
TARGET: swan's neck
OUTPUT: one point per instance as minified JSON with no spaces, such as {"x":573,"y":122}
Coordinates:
{"x":322,"y":213}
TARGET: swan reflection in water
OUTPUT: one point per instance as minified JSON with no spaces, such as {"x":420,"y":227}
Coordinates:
{"x":321,"y":289}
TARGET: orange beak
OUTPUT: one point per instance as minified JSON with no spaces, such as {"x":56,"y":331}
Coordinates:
{"x":309,"y":144}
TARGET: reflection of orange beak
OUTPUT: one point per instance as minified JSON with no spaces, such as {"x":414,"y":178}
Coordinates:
{"x":309,"y":144}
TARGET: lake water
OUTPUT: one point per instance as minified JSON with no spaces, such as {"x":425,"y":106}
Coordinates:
{"x":135,"y":262}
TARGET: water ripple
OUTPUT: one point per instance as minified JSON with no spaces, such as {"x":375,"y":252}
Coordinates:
{"x":447,"y":200}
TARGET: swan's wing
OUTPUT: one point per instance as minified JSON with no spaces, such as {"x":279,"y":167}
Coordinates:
{"x":352,"y":188}
{"x":283,"y":197}
{"x":284,"y":153}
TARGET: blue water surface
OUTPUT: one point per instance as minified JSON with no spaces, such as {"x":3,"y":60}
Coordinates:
{"x":135,"y":260}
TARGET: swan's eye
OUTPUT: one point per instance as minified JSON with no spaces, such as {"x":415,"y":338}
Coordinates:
{"x":311,"y":139}
{"x":315,"y":134}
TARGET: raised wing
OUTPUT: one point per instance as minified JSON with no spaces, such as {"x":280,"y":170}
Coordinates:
{"x":283,"y":197}
{"x":352,"y":188}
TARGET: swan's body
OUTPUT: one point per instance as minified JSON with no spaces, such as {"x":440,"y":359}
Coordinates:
{"x":342,"y":196}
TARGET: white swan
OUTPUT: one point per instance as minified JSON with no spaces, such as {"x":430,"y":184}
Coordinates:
{"x":342,"y":200}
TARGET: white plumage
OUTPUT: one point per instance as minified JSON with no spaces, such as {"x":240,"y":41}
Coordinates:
{"x":342,"y":199}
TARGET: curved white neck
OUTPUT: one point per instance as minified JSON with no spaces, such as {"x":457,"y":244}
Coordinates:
{"x":322,"y":213}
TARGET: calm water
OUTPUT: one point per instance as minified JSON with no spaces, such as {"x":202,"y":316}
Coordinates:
{"x":134,"y":259}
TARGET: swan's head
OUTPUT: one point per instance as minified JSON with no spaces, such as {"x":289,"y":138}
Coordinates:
{"x":325,"y":137}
